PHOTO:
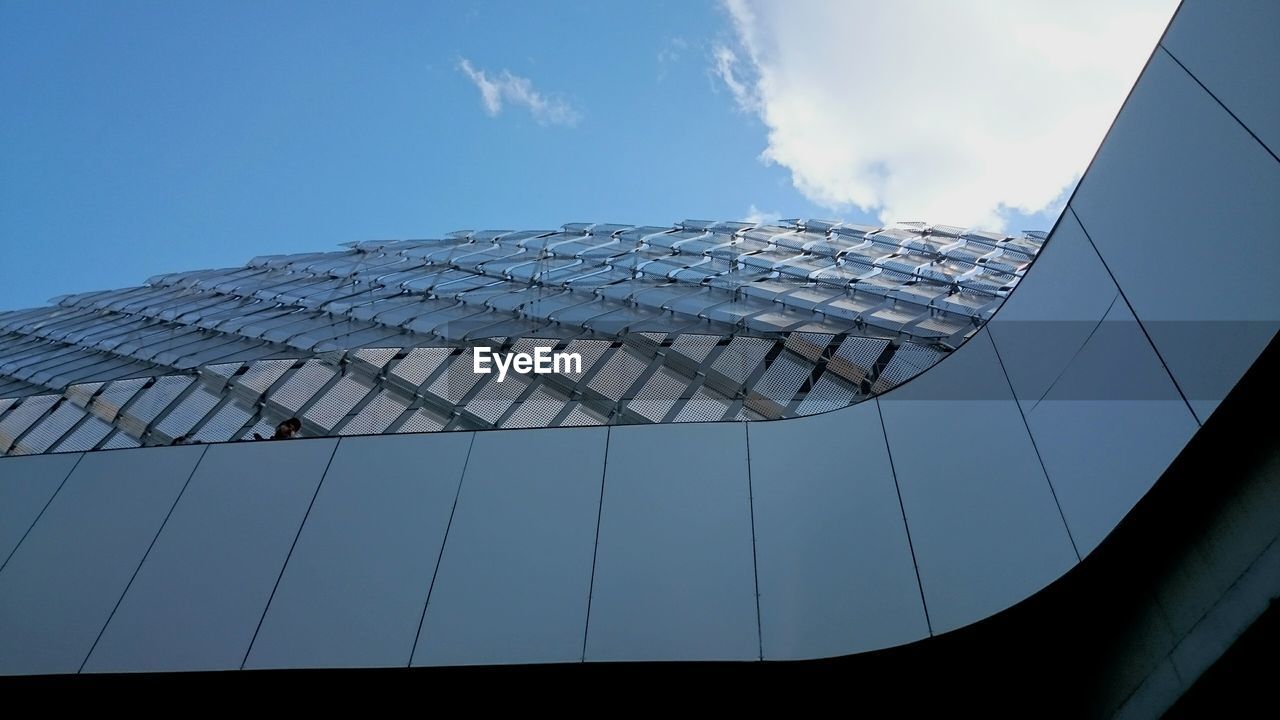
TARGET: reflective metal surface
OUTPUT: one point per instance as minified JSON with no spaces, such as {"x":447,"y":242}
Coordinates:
{"x":694,"y":322}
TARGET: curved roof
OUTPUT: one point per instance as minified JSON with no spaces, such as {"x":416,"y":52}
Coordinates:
{"x":696,"y":322}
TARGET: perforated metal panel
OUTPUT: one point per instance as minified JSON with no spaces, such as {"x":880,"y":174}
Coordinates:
{"x":376,"y":416}
{"x":494,"y":399}
{"x":538,"y":409}
{"x":455,"y":382}
{"x":184,"y":416}
{"x":944,"y":325}
{"x":375,"y":357}
{"x":151,"y":402}
{"x":45,"y":433}
{"x":727,"y":314}
{"x":80,"y":394}
{"x":224,"y":423}
{"x":531,"y":345}
{"x":829,"y":393}
{"x":22,"y":417}
{"x":264,"y":428}
{"x":779,"y":385}
{"x":658,"y":395}
{"x":261,"y":375}
{"x":692,"y":349}
{"x":739,"y":360}
{"x":581,"y":416}
{"x":414,"y":369}
{"x":907,"y":362}
{"x":855,"y":357}
{"x":301,"y":386}
{"x":340,"y":399}
{"x":705,"y":405}
{"x":119,"y":439}
{"x":86,"y":436}
{"x":590,"y":351}
{"x":618,"y":374}
{"x":423,"y":420}
{"x":218,"y":374}
{"x":809,"y":346}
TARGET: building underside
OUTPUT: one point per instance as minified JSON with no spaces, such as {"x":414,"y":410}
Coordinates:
{"x":1070,"y":494}
{"x":1159,"y":619}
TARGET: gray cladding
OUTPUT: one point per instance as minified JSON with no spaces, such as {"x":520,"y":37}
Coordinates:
{"x":353,"y":590}
{"x":515,"y":575}
{"x":639,"y":517}
{"x":63,"y":581}
{"x":198,"y":598}
{"x":674,"y":573}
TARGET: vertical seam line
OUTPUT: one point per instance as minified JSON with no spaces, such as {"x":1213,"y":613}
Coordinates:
{"x":143,"y":561}
{"x":905,"y":525}
{"x":1049,"y":481}
{"x":40,"y":514}
{"x":1136,"y":317}
{"x":1074,"y":355}
{"x":755,"y":563}
{"x":595,"y":549}
{"x":440,"y":556}
{"x":293,"y":545}
{"x":1217,"y":100}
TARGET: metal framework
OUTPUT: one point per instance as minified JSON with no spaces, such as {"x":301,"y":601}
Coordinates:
{"x":701,"y":321}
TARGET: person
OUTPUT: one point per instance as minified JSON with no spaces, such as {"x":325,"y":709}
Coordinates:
{"x":286,"y":430}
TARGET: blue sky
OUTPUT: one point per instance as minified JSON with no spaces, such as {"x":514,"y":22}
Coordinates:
{"x":146,"y":137}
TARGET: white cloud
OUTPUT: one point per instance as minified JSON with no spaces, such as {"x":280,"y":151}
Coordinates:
{"x":728,"y":69}
{"x":503,"y":87}
{"x":946,"y":112}
{"x":756,"y":216}
{"x":670,"y":52}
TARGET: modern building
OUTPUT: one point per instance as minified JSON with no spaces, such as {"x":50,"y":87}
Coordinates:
{"x":693,"y":323}
{"x":835,"y":447}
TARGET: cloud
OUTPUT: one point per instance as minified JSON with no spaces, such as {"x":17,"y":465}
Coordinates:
{"x":947,"y":112}
{"x":728,"y":68}
{"x":756,"y":216}
{"x":670,"y":52}
{"x":514,"y":90}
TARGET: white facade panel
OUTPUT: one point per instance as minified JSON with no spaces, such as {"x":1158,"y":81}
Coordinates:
{"x":833,"y":559}
{"x":198,"y":598}
{"x":1108,"y":428}
{"x":983,"y":521}
{"x":1053,"y":312}
{"x":515,"y":575}
{"x":27,"y":484}
{"x":1231,"y":48}
{"x":674,"y":573}
{"x":1191,"y":242}
{"x":353,"y":590}
{"x":63,"y":581}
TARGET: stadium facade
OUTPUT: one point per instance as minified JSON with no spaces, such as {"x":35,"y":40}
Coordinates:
{"x":788,"y":442}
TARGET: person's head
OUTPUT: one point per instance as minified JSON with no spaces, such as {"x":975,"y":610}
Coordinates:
{"x":289,"y":427}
